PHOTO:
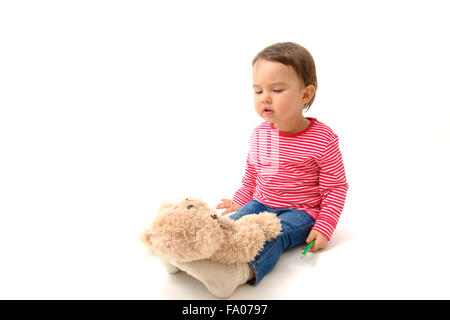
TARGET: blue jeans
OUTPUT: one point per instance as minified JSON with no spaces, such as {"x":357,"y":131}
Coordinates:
{"x":295,"y":228}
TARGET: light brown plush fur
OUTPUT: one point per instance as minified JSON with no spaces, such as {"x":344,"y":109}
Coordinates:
{"x":189,"y":230}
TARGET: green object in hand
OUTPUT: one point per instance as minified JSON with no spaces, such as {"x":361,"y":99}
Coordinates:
{"x":307,"y":249}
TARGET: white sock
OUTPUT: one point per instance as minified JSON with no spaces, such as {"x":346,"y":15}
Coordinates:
{"x":220,"y":279}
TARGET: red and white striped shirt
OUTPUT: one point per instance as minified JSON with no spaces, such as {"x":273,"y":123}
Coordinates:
{"x":302,"y":170}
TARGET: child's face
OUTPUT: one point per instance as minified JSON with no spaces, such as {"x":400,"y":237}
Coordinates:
{"x":278,"y":89}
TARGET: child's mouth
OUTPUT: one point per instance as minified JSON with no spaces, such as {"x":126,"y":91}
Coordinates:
{"x":267,"y":111}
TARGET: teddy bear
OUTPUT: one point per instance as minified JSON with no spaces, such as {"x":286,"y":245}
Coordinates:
{"x":188,"y":229}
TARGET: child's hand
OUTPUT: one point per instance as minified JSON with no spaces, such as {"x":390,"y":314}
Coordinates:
{"x":228,"y":205}
{"x":320,"y":243}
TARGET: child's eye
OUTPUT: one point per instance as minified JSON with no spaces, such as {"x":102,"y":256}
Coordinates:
{"x":276,"y":91}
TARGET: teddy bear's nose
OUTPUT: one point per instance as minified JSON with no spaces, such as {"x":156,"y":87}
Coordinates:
{"x":190,"y":206}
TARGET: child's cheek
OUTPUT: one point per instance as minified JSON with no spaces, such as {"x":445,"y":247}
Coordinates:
{"x":282,"y":104}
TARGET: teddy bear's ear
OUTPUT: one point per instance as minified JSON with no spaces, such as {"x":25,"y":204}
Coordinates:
{"x":164,"y":205}
{"x":145,"y":237}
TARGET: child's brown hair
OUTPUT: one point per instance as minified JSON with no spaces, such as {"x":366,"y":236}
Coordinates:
{"x":292,"y":54}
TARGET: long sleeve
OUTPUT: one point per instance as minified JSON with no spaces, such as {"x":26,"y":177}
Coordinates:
{"x":333,"y":187}
{"x":245,"y":193}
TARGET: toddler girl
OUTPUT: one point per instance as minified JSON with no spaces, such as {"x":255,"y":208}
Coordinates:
{"x":294,"y":169}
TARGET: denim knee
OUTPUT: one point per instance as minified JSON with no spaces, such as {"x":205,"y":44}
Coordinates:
{"x":296,"y":226}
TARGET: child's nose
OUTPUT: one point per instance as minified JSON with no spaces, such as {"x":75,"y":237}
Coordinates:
{"x":267,"y":100}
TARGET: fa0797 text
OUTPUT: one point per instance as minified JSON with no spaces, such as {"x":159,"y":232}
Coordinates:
{"x":246,"y":309}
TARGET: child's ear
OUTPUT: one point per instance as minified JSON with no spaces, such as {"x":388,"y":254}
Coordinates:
{"x":308,"y":94}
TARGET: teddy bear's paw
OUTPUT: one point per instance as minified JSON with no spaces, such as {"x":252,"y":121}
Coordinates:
{"x":170,"y":268}
{"x":270,"y":224}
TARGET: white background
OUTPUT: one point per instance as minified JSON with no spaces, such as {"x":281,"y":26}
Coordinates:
{"x":107,"y":108}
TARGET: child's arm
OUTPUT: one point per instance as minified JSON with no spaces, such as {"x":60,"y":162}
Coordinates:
{"x":333,"y":187}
